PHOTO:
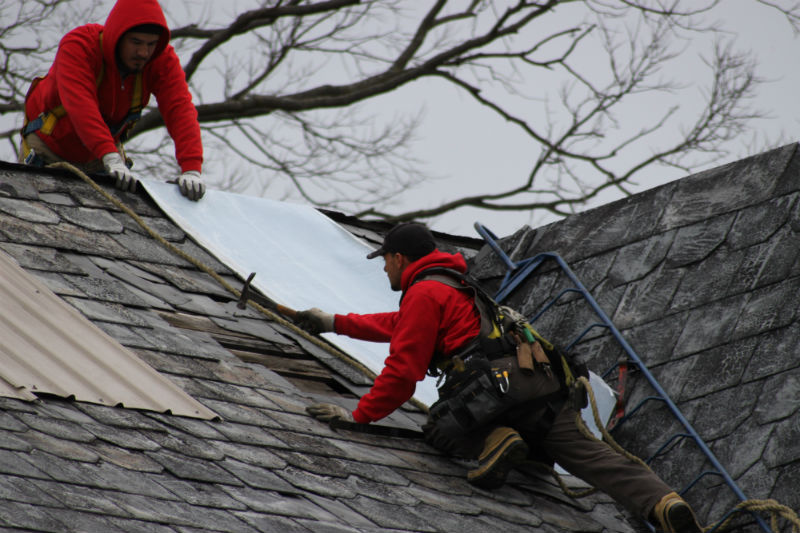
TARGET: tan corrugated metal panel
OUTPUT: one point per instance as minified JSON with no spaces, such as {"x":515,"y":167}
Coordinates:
{"x":48,"y":346}
{"x":7,"y":390}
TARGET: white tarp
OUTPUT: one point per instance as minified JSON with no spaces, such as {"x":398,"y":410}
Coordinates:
{"x":301,"y":258}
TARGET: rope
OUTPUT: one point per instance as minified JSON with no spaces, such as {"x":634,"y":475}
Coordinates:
{"x":219,"y":279}
{"x":775,"y":510}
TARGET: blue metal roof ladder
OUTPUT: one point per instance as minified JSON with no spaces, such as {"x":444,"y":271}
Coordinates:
{"x":518,"y":272}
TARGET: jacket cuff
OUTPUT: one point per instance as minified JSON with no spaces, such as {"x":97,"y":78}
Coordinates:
{"x":359,"y":417}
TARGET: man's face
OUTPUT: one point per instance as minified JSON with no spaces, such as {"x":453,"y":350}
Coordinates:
{"x":136,"y":49}
{"x":393,"y":265}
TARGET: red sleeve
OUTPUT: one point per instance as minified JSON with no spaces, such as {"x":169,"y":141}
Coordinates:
{"x":410,"y":352}
{"x":176,"y":107}
{"x":76,"y":78}
{"x":377,"y":327}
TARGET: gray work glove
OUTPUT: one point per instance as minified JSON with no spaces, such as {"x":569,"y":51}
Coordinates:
{"x":315,"y":320}
{"x":118,"y":170}
{"x":191,"y":185}
{"x":328,"y":411}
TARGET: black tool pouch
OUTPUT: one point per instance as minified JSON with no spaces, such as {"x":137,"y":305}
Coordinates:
{"x":467,"y":400}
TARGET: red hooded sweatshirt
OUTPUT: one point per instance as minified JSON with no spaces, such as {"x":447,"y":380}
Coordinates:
{"x":433,"y":319}
{"x":82,"y":135}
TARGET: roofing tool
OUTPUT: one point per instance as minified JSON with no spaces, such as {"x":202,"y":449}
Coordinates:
{"x":502,"y":380}
{"x":376,"y":429}
{"x":247,"y":294}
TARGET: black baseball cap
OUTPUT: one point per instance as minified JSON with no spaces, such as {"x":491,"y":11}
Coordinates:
{"x":409,"y":238}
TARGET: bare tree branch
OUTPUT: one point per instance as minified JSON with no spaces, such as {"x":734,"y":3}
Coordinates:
{"x":288,"y":93}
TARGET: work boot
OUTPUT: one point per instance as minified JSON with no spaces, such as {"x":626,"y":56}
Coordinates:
{"x":503,"y":450}
{"x":675,"y":516}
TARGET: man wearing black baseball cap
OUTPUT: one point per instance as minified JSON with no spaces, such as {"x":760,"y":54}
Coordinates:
{"x":433,"y":318}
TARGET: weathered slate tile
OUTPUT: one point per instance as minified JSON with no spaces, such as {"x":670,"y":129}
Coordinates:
{"x":345,"y":513}
{"x":266,"y":523}
{"x":13,"y":185}
{"x":162,"y":226}
{"x":757,"y":224}
{"x":252,"y":455}
{"x":66,"y":449}
{"x":386,"y":493}
{"x":125,"y":438}
{"x":189,"y":468}
{"x":717,"y":369}
{"x":696,"y":242}
{"x":39,"y":258}
{"x":87,"y":521}
{"x":780,"y":397}
{"x":391,"y":516}
{"x":202,"y":494}
{"x":710,"y":325}
{"x":140,"y":526}
{"x":27,"y":516}
{"x":104,"y":311}
{"x":784,"y":444}
{"x":79,"y":497}
{"x":24,"y":490}
{"x":742,"y":449}
{"x":274,"y":503}
{"x":62,"y":429}
{"x":770,"y":355}
{"x":726,"y":188}
{"x":186,"y":444}
{"x":255,"y":476}
{"x":57,"y":199}
{"x":28,"y":211}
{"x":126,"y":459}
{"x":175,"y":512}
{"x":323,"y":485}
{"x":92,"y":219}
{"x":636,"y":260}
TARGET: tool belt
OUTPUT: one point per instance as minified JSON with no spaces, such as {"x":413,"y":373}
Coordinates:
{"x":484,"y":390}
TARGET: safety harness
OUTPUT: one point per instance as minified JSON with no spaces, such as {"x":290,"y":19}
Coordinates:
{"x":474,"y":388}
{"x":45,"y":123}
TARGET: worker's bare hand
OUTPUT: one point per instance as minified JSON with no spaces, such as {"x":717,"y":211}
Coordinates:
{"x":315,"y":320}
{"x":328,"y":411}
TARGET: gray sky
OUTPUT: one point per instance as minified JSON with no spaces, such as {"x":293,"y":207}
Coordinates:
{"x":472,"y":150}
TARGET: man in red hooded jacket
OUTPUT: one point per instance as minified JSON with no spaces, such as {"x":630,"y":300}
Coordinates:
{"x":436,"y":321}
{"x":101,"y":78}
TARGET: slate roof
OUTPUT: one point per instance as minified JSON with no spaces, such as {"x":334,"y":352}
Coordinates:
{"x":265,"y":466}
{"x":702,"y":277}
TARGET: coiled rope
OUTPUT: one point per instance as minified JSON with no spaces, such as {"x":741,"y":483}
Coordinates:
{"x":773,"y":508}
{"x":219,"y":279}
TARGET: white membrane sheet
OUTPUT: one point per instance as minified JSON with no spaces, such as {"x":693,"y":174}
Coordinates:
{"x":301,"y":258}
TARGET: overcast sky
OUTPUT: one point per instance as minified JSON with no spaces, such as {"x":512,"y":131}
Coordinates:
{"x":472,"y":150}
{"x":474,"y":147}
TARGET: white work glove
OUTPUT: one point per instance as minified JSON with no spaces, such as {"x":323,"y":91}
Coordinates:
{"x":191,"y":185}
{"x":328,"y":411}
{"x":118,"y":170}
{"x":315,"y":320}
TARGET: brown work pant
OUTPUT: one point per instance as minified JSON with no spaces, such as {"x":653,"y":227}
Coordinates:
{"x":631,"y":484}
